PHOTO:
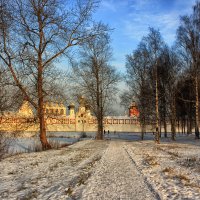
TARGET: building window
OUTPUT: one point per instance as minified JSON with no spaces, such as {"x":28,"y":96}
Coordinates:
{"x":121,"y":121}
{"x":47,"y":111}
{"x":115,"y":121}
{"x":61,"y":111}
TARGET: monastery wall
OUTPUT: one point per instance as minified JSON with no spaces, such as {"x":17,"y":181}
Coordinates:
{"x":57,"y":121}
{"x":67,"y":124}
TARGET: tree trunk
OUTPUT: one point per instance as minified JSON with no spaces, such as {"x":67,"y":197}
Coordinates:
{"x":173,"y":130}
{"x":43,"y":138}
{"x":157,"y":136}
{"x":173,"y":120}
{"x":143,"y":128}
{"x":197,"y":108}
{"x":100,"y":129}
{"x":184,"y":123}
{"x":100,"y":126}
{"x":165,"y":128}
{"x":178,"y":125}
{"x":99,"y":110}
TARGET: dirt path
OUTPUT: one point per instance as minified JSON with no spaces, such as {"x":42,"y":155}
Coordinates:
{"x":116,"y":177}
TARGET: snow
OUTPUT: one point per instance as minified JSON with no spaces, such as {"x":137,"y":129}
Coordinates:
{"x":120,"y":167}
{"x":116,"y":177}
{"x":172,"y":168}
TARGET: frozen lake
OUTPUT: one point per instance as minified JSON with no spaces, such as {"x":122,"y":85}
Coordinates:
{"x":26,"y":144}
{"x":62,"y":138}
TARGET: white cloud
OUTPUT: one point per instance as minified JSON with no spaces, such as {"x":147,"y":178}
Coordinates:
{"x":143,"y":16}
{"x":109,"y":5}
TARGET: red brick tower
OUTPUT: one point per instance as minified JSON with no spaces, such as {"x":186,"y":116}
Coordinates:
{"x":133,"y":110}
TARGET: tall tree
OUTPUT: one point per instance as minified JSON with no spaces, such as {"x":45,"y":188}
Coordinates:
{"x":188,"y":37}
{"x":35,"y":34}
{"x":155,"y":45}
{"x":95,"y":78}
{"x":170,"y":77}
{"x":137,"y":79}
{"x":143,"y":78}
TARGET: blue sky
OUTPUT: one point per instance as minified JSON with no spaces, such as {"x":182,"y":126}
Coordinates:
{"x":131,"y":19}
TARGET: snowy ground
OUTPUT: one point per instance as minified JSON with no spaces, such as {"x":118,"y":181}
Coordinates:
{"x":120,"y":168}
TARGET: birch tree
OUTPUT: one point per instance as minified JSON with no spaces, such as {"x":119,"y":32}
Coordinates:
{"x":188,"y":36}
{"x":137,"y":79}
{"x":155,"y":45}
{"x":143,"y":78}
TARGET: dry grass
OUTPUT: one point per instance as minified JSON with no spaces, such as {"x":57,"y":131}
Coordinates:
{"x":168,"y":150}
{"x":69,"y":191}
{"x":174,"y":154}
{"x":37,"y":147}
{"x":172,"y":174}
{"x":190,"y":162}
{"x":81,"y":179}
{"x":194,"y":185}
{"x":182,"y":178}
{"x":168,"y":170}
{"x":5,"y":144}
{"x":150,"y":160}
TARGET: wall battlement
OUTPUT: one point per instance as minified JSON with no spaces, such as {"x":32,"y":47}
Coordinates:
{"x":57,"y":120}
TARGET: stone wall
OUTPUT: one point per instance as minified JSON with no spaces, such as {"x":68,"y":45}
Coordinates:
{"x":68,"y":124}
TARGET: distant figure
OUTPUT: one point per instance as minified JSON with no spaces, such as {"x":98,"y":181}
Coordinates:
{"x":114,"y":132}
{"x":104,"y":132}
{"x":108,"y":132}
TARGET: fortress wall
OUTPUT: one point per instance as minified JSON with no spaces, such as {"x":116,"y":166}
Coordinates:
{"x":122,"y":128}
{"x":68,"y":124}
{"x":11,"y":124}
{"x":82,"y":121}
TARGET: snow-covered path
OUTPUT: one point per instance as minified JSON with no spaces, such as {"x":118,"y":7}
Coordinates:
{"x":113,"y":169}
{"x":116,"y":177}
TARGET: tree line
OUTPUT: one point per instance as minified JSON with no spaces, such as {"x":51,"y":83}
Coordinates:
{"x":165,"y":80}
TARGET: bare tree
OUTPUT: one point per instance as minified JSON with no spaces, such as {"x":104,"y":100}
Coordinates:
{"x":137,"y":79}
{"x":170,"y":76}
{"x":188,"y":37}
{"x":142,"y":72}
{"x":155,"y":45}
{"x":95,"y":78}
{"x":34,"y":34}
